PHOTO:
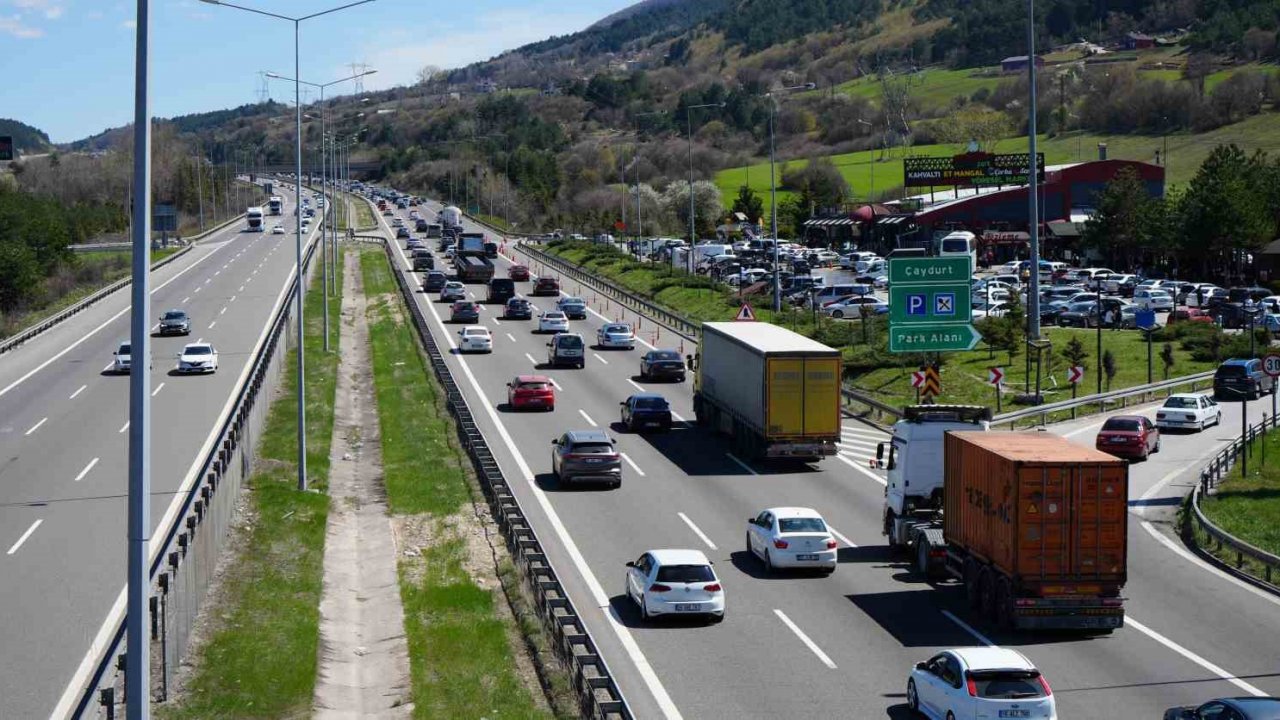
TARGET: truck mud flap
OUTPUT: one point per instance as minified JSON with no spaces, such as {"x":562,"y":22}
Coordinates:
{"x":1084,"y":620}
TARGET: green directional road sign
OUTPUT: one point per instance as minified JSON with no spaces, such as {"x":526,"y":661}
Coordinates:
{"x":935,"y":337}
{"x":931,"y":271}
{"x":943,"y":302}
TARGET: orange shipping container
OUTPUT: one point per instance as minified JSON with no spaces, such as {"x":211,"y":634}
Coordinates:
{"x":1049,"y":513}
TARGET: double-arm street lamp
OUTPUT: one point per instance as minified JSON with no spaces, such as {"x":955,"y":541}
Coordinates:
{"x":693,"y":236}
{"x":297,"y":102}
{"x":773,"y":196}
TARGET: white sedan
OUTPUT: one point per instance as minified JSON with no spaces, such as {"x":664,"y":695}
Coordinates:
{"x":791,"y":537}
{"x":1187,"y":411}
{"x":616,"y":335}
{"x":1153,"y":299}
{"x":278,"y":229}
{"x":675,"y":582}
{"x":980,"y":682}
{"x":852,"y":307}
{"x":475,"y":339}
{"x":198,"y":358}
{"x":553,"y":322}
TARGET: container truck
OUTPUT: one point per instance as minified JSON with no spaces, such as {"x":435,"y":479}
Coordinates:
{"x":276,"y":203}
{"x":451,"y":217}
{"x":473,"y":269}
{"x":471,"y":245}
{"x":434,"y":230}
{"x":776,"y":393}
{"x":253,"y":216}
{"x":1033,"y":526}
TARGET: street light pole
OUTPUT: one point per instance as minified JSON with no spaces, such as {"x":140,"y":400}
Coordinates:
{"x":693,"y":236}
{"x":773,"y":201}
{"x":297,"y":156}
{"x":1033,"y":291}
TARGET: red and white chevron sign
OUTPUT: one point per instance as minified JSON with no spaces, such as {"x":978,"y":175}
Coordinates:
{"x":917,"y":379}
{"x":995,"y":375}
{"x":1075,"y":374}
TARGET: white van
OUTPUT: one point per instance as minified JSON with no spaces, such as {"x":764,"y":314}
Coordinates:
{"x":960,"y":243}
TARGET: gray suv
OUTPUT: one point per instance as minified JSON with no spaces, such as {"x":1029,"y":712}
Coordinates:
{"x":586,"y":455}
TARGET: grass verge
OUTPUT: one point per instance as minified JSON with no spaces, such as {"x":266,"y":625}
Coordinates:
{"x":260,"y":657}
{"x":1248,"y":506}
{"x":460,"y":640}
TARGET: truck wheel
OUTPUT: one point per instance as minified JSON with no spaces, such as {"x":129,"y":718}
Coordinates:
{"x":888,"y":530}
{"x":988,"y":584}
{"x":1004,"y":604}
{"x":972,"y":593}
{"x":922,"y":558}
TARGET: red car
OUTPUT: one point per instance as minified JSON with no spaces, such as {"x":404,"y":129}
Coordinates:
{"x":1129,"y":436}
{"x":546,"y":286}
{"x":531,"y":392}
{"x":1190,"y":315}
{"x":518,"y":272}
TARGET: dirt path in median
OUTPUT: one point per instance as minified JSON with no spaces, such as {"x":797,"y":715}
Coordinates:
{"x":364,"y":660}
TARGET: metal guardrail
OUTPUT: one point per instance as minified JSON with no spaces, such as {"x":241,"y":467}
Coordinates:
{"x":27,"y":333}
{"x":189,"y":549}
{"x":1196,"y":523}
{"x":598,"y":693}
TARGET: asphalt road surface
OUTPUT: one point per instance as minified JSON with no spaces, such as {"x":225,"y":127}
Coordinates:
{"x":64,"y":449}
{"x":838,"y":646}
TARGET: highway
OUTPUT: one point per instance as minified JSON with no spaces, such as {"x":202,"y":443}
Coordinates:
{"x":794,"y":646}
{"x":64,"y":449}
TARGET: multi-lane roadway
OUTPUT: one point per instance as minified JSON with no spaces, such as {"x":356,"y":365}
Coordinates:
{"x":838,"y":646}
{"x":64,"y":449}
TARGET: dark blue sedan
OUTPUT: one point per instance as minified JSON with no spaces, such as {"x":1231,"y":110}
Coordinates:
{"x":646,"y":410}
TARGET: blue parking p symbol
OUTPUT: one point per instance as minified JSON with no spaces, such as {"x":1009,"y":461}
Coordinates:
{"x":917,"y":304}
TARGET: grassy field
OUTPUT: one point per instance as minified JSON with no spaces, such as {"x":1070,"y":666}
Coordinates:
{"x":362,"y":215}
{"x":930,"y":88}
{"x":260,"y":659}
{"x":1249,"y":507}
{"x":1186,"y":152}
{"x":460,"y":652}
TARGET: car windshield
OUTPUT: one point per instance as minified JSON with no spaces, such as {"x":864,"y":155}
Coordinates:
{"x":175,"y":315}
{"x":793,"y":525}
{"x":664,"y":355}
{"x":592,"y":448}
{"x":199,"y":350}
{"x":1181,"y":402}
{"x":571,"y":342}
{"x":685,"y":574}
{"x":955,"y":246}
{"x":646,"y":403}
{"x":1008,"y":684}
{"x":1121,"y":425}
{"x":124,"y":349}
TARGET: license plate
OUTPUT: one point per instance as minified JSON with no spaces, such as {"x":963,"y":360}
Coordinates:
{"x":594,"y":461}
{"x":687,"y":607}
{"x":806,"y":557}
{"x":1015,"y":713}
{"x":1119,"y":440}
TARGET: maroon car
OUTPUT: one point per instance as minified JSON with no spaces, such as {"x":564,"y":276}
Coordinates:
{"x":546,"y":286}
{"x":519,"y":273}
{"x":1129,"y":436}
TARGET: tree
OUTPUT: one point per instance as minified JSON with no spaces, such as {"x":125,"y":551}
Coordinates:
{"x":1074,"y":353}
{"x":1120,"y":227}
{"x":1258,"y":43}
{"x":1166,"y":358}
{"x":749,"y":203}
{"x":428,"y":74}
{"x":707,"y":207}
{"x":818,"y":184}
{"x":975,"y":122}
{"x":1225,"y":209}
{"x":1108,"y":367}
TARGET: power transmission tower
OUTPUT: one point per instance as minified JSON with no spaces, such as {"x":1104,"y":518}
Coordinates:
{"x":358,"y":69}
{"x":264,"y":88}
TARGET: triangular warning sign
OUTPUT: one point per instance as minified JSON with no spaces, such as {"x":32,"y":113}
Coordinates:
{"x":1032,"y":510}
{"x":746,"y":314}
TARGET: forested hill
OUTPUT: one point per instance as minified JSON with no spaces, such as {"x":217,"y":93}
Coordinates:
{"x":25,"y":138}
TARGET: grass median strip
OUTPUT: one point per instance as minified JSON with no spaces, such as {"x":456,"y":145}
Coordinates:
{"x":259,"y":656}
{"x":475,"y":643}
{"x":1248,"y":506}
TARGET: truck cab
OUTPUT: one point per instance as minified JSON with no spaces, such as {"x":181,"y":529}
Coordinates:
{"x":915,"y":477}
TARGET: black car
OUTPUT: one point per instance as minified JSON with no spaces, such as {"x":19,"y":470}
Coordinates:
{"x":1240,"y":378}
{"x":1236,"y":708}
{"x":1081,"y":314}
{"x":501,"y":290}
{"x":646,"y":410}
{"x":662,"y":365}
{"x":402,"y":233}
{"x":464,"y":311}
{"x":174,"y":322}
{"x":518,"y":309}
{"x":434,"y":281}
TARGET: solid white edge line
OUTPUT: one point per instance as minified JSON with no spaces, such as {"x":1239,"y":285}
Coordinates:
{"x":157,"y":390}
{"x":587,"y":417}
{"x":1130,"y":622}
{"x":804,"y":639}
{"x":1182,"y":552}
{"x":697,"y":531}
{"x":102,"y":638}
{"x":24,"y":537}
{"x":77,"y":392}
{"x":86,"y":469}
{"x":625,"y":638}
{"x":632,"y":463}
{"x":636,"y":385}
{"x":967,"y":628}
{"x":36,"y":426}
{"x":840,"y":536}
{"x":741,"y":464}
{"x":861,"y":469}
{"x":105,"y":323}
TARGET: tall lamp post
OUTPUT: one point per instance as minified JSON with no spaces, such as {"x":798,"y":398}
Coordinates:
{"x":693,"y":236}
{"x":773,"y":197}
{"x":324,"y":187}
{"x":297,"y":157}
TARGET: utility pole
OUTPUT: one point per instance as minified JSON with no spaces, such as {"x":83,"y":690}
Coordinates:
{"x":1033,"y":291}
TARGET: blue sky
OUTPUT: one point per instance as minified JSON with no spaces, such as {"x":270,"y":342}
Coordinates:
{"x":67,"y":65}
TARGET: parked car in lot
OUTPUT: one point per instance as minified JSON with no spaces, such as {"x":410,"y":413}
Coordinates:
{"x":1190,"y":315}
{"x":531,"y":392}
{"x":980,"y":682}
{"x":1188,"y":412}
{"x":646,"y":410}
{"x":464,"y":311}
{"x":662,"y":365}
{"x":616,"y":335}
{"x":518,"y":308}
{"x":453,"y":290}
{"x":1128,"y":436}
{"x":1236,"y":708}
{"x":519,"y":273}
{"x":1241,"y":377}
{"x":791,"y":537}
{"x":567,"y":349}
{"x":553,"y":321}
{"x":574,"y":308}
{"x":852,"y":307}
{"x":675,"y":582}
{"x":475,"y":339}
{"x":589,"y":455}
{"x":1158,"y":300}
{"x":1081,"y":314}
{"x":174,"y":322}
{"x":546,"y":286}
{"x":198,"y":357}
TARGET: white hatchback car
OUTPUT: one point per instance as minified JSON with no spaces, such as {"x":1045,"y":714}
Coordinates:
{"x":553,"y":322}
{"x":980,"y":682}
{"x":123,"y":361}
{"x":675,"y":582}
{"x":1189,"y":412}
{"x":475,"y":339}
{"x":791,"y":537}
{"x":198,"y":358}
